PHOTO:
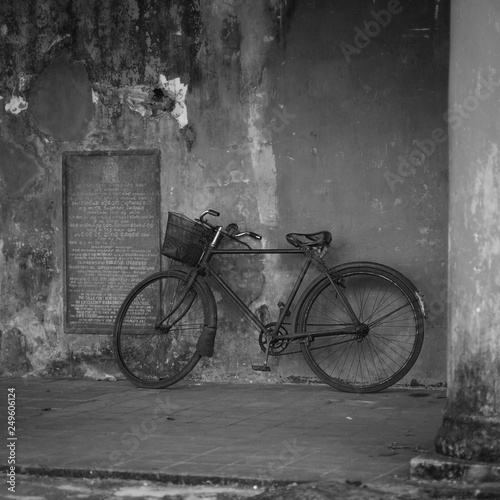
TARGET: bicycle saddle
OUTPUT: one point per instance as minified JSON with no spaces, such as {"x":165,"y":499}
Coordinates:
{"x":321,"y":239}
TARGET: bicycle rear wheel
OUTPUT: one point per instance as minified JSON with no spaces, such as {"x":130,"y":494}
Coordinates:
{"x":157,"y":329}
{"x":368,"y":362}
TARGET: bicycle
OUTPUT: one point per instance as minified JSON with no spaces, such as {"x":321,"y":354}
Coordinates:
{"x":359,"y":325}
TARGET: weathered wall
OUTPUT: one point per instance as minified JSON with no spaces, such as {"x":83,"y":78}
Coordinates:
{"x":295,"y":121}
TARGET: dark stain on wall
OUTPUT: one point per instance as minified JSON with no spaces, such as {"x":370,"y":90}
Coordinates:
{"x":189,"y":135}
{"x":36,"y":268}
{"x":29,"y":258}
{"x":17,"y":168}
{"x":231,"y":35}
{"x":192,"y":25}
{"x":283,"y":13}
{"x":13,"y":354}
{"x":61,"y":100}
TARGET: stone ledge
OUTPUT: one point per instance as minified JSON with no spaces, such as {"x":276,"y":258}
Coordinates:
{"x":432,"y":466}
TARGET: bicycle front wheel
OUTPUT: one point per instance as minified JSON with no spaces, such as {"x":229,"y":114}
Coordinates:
{"x":157,"y":329}
{"x":384,"y":352}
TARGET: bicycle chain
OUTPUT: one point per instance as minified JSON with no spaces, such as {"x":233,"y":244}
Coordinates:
{"x":312,"y":348}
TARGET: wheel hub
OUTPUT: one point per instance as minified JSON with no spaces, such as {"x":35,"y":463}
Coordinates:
{"x":363,"y":332}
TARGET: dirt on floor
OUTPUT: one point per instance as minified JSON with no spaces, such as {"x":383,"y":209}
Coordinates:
{"x":35,"y":487}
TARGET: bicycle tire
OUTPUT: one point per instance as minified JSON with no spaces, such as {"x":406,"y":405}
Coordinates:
{"x":357,"y":363}
{"x":156,"y":356}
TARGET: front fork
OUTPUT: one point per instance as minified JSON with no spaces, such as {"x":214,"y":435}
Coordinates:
{"x":190,"y":281}
{"x":193,"y":274}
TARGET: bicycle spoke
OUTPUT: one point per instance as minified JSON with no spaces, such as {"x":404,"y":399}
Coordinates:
{"x":387,"y":315}
{"x":381,"y":301}
{"x":379,"y":354}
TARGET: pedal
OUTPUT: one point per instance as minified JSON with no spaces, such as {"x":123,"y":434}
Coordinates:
{"x":261,"y":368}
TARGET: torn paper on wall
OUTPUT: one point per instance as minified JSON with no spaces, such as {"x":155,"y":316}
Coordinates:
{"x":176,"y":91}
{"x":16,"y":105}
{"x":136,"y":97}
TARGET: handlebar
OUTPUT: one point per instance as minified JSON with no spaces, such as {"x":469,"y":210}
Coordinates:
{"x":249,"y":233}
{"x":231,"y":229}
{"x":211,"y":212}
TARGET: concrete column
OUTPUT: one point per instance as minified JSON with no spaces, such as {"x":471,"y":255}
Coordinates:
{"x":471,"y":423}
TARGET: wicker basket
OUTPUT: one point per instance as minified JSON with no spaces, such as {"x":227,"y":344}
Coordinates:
{"x":185,"y":239}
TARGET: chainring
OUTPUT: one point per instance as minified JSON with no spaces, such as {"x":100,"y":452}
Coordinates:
{"x":277,"y":346}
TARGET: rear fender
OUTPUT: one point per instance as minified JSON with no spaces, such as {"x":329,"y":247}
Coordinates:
{"x":418,"y":297}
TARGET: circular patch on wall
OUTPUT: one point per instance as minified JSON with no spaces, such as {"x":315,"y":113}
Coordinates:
{"x":61,"y":100}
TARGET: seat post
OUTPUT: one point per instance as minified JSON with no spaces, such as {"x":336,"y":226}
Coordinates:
{"x":283,"y":313}
{"x":284,"y":310}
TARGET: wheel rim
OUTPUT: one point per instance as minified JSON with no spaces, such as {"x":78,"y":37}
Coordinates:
{"x":152,"y":349}
{"x":373,"y":359}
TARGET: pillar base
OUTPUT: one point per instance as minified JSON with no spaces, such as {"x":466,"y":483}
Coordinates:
{"x":436,"y":467}
{"x":469,"y":437}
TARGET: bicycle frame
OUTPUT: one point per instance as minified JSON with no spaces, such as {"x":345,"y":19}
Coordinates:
{"x":365,"y":356}
{"x":356,"y":326}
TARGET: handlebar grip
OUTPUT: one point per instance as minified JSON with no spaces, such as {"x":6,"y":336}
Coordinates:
{"x":255,"y":235}
{"x":214,"y":213}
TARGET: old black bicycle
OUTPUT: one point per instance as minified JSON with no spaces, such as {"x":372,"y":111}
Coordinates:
{"x":359,"y":326}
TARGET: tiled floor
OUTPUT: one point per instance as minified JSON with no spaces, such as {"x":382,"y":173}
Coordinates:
{"x":258,"y":432}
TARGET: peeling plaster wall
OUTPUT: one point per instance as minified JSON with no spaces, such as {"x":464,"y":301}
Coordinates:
{"x":257,"y":112}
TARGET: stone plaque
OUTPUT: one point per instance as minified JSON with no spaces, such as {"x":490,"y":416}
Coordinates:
{"x":112,"y":232}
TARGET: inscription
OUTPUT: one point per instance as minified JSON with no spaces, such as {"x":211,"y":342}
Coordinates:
{"x":112,"y":234}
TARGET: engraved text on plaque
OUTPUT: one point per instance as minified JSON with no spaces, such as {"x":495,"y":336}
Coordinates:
{"x":112,"y":233}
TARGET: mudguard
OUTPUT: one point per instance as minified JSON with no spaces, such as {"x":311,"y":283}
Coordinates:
{"x":206,"y":340}
{"x":402,"y":277}
{"x":205,"y":345}
{"x":412,"y":288}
